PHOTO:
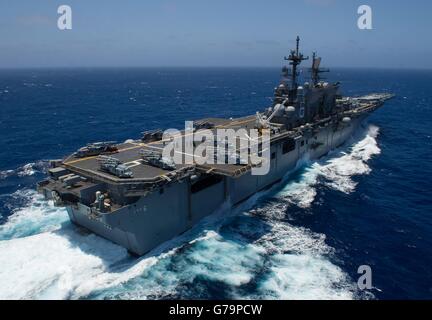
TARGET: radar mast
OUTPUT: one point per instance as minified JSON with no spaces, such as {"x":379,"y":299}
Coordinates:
{"x":295,"y":59}
{"x":316,"y":70}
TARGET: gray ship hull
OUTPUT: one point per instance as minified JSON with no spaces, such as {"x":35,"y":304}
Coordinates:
{"x":163,"y":215}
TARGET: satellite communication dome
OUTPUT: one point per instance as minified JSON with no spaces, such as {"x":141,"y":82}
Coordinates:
{"x":290,"y":109}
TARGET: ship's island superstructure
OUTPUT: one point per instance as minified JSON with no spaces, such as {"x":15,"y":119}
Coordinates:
{"x":133,"y":195}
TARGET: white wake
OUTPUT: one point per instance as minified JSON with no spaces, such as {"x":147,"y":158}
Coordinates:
{"x":28,"y":169}
{"x":336,"y":170}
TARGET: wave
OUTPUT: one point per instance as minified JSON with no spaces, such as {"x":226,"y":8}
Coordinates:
{"x":298,"y":262}
{"x":334,"y":171}
{"x":286,"y":263}
{"x":28,"y":169}
{"x":51,"y":265}
{"x":247,"y":252}
{"x":35,"y":216}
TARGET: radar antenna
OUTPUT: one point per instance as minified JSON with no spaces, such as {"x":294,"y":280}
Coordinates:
{"x":295,"y":59}
{"x":316,"y":70}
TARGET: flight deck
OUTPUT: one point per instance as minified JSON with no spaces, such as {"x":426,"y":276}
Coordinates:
{"x":129,"y":154}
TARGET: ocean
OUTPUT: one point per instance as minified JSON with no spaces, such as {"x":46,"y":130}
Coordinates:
{"x":367,"y":203}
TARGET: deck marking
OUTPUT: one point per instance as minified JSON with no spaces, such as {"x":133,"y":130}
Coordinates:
{"x":237,"y":122}
{"x":92,"y":157}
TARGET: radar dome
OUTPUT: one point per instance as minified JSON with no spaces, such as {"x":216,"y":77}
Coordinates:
{"x":290,"y":109}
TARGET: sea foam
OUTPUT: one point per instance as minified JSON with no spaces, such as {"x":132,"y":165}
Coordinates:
{"x":28,"y":169}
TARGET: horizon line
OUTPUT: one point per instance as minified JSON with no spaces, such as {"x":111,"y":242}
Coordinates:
{"x":203,"y":67}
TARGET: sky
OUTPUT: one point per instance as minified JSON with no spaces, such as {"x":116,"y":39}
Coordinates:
{"x":218,"y":33}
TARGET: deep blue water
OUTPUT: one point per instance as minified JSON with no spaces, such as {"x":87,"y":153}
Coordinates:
{"x":368,"y":203}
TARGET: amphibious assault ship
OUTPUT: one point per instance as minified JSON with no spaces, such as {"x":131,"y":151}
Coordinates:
{"x":138,"y":197}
